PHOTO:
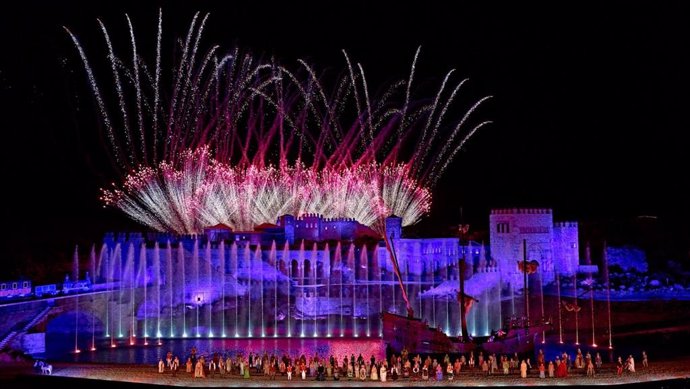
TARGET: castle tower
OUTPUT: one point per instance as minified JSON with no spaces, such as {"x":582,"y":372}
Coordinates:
{"x":393,"y":227}
{"x":288,"y":224}
{"x":509,"y":227}
{"x":566,"y":251}
{"x":308,"y":227}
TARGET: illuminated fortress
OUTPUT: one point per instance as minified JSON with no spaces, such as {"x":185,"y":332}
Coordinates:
{"x":311,"y":276}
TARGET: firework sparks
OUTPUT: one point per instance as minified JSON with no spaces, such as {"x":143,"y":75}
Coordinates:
{"x":242,"y":142}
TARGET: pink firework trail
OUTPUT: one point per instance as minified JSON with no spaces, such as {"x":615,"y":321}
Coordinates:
{"x":241,"y":142}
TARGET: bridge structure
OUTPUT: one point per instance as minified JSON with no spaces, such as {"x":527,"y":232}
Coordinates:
{"x":27,"y":322}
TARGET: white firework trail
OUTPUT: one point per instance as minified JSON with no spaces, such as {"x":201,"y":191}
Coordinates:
{"x":242,"y":142}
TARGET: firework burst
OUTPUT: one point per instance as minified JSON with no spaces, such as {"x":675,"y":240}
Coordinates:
{"x":241,"y":141}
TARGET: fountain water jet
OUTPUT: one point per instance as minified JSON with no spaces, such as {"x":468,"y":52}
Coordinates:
{"x":143,"y":279}
{"x":221,"y":262}
{"x":92,"y":267}
{"x":183,"y":283}
{"x":208,"y":300}
{"x":195,"y":275}
{"x":157,"y":282}
{"x":353,"y":271}
{"x":169,"y":284}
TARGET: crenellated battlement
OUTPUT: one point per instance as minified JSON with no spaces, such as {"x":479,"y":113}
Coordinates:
{"x":521,"y":211}
{"x":339,"y":219}
{"x":565,"y":224}
{"x":309,"y":217}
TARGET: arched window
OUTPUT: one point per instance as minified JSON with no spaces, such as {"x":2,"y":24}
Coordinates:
{"x":294,"y":271}
{"x":307,"y":269}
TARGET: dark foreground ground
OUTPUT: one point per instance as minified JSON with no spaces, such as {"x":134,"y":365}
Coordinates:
{"x":671,"y":374}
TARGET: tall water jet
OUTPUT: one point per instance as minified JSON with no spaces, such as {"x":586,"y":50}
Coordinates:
{"x":107,"y":278}
{"x":208,"y":294}
{"x":497,"y":298}
{"x":234,"y":265}
{"x":101,"y":270}
{"x":432,"y":283}
{"x":195,"y":277}
{"x":447,"y":298}
{"x":419,"y":294}
{"x":248,"y":262}
{"x":91,"y":275}
{"x":338,"y":264}
{"x":315,"y":293}
{"x":183,"y":284}
{"x":352,"y":269}
{"x":157,"y":283}
{"x":300,"y":264}
{"x":379,"y":279}
{"x":141,"y":277}
{"x":75,"y":277}
{"x":116,"y":264}
{"x":76,"y":323}
{"x":130,"y":274}
{"x":273,"y":261}
{"x":221,"y":270}
{"x":169,"y":285}
{"x":259,"y":264}
{"x":485,"y":311}
{"x":327,"y":273}
{"x":364,"y":269}
{"x":288,"y":265}
{"x":92,"y":267}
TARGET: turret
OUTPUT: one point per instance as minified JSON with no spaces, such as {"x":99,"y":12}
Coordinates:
{"x":393,"y":227}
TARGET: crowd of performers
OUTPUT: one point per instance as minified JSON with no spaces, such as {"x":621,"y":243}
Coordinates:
{"x":403,"y":366}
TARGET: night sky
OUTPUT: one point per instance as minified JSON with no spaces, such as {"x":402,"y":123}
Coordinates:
{"x":590,"y":103}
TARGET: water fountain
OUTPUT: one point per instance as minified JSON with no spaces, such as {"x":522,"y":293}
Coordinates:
{"x":235,"y":266}
{"x":143,"y":280}
{"x":221,"y":270}
{"x":207,"y":297}
{"x":448,"y":275}
{"x":92,"y":268}
{"x":327,"y":261}
{"x":76,"y":323}
{"x":157,"y":290}
{"x":364,"y":268}
{"x":288,"y":286}
{"x":169,"y":284}
{"x":150,"y":291}
{"x":338,"y":264}
{"x":353,"y":273}
{"x":195,"y":278}
{"x":183,"y":287}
